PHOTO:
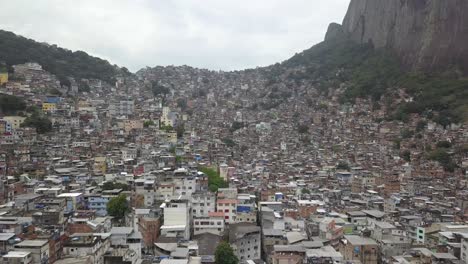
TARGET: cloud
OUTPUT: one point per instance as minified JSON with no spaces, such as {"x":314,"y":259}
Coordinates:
{"x":214,"y":34}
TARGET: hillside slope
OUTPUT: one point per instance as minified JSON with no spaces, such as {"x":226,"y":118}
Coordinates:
{"x":15,"y":49}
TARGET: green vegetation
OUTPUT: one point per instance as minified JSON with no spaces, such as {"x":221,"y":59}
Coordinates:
{"x":443,"y":157}
{"x":115,"y":185}
{"x":214,"y":180}
{"x":371,"y":73}
{"x":159,"y":90}
{"x":224,"y":254}
{"x":41,"y":123}
{"x":236,"y":126}
{"x":3,"y":68}
{"x":118,"y":206}
{"x":172,"y":150}
{"x":10,"y":104}
{"x":397,"y":143}
{"x":303,"y":129}
{"x":443,"y":144}
{"x":179,"y":159}
{"x":15,"y":49}
{"x":305,"y":191}
{"x":406,"y":133}
{"x":421,"y":125}
{"x":167,"y":128}
{"x":446,"y":95}
{"x":182,"y":103}
{"x":83,"y":87}
{"x":180,"y":130}
{"x":343,"y":166}
{"x":148,"y":123}
{"x":229,"y":142}
{"x":406,"y":155}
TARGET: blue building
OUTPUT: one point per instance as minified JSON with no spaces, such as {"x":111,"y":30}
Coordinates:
{"x":98,"y":203}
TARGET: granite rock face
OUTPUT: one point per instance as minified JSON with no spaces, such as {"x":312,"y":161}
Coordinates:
{"x":428,"y":35}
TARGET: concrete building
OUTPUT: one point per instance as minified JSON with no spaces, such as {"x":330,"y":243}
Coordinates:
{"x":245,"y":240}
{"x":202,"y":203}
{"x":17,"y":257}
{"x":176,"y":219}
{"x":359,"y":248}
{"x":39,"y":249}
{"x":86,"y":244}
{"x":214,"y":224}
{"x":229,"y":208}
{"x":126,"y":237}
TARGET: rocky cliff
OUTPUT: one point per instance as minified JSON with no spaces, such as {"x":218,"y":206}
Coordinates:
{"x":429,"y":35}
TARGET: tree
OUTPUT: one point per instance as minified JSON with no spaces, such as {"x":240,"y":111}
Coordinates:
{"x":406,"y":133}
{"x":444,"y":144}
{"x":38,"y":121}
{"x":236,"y":126}
{"x":406,"y":155}
{"x":115,"y":185}
{"x":180,"y":130}
{"x":421,"y":125}
{"x":443,"y":158}
{"x":118,"y":206}
{"x":343,"y":166}
{"x":224,"y":254}
{"x":10,"y":104}
{"x":229,"y":142}
{"x":214,"y":180}
{"x":305,"y":191}
{"x":182,"y":103}
{"x":302,"y":129}
{"x":61,"y":62}
{"x":159,"y":90}
{"x":148,"y":123}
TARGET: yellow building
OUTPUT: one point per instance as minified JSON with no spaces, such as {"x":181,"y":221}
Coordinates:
{"x":2,"y":126}
{"x":100,"y":165}
{"x":14,"y":121}
{"x":172,"y":137}
{"x":49,"y":107}
{"x":3,"y":77}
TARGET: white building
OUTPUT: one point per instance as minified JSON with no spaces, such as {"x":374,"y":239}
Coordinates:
{"x":464,"y":248}
{"x":39,"y":249}
{"x":126,"y":107}
{"x":176,"y":219}
{"x":202,"y":203}
{"x":127,"y":236}
{"x":82,"y":245}
{"x":17,"y":257}
{"x":214,"y":224}
{"x":245,"y":240}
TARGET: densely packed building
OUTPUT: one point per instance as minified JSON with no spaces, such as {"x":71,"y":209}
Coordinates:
{"x":282,"y":172}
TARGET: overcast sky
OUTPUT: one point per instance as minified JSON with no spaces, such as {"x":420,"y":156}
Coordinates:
{"x":213,"y":34}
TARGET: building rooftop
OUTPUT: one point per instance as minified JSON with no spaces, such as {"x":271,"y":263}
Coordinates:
{"x":359,"y":240}
{"x":6,"y":236}
{"x":323,"y":252}
{"x":65,"y":195}
{"x":174,"y":261}
{"x":32,"y":243}
{"x":121,"y":230}
{"x":16,"y":254}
